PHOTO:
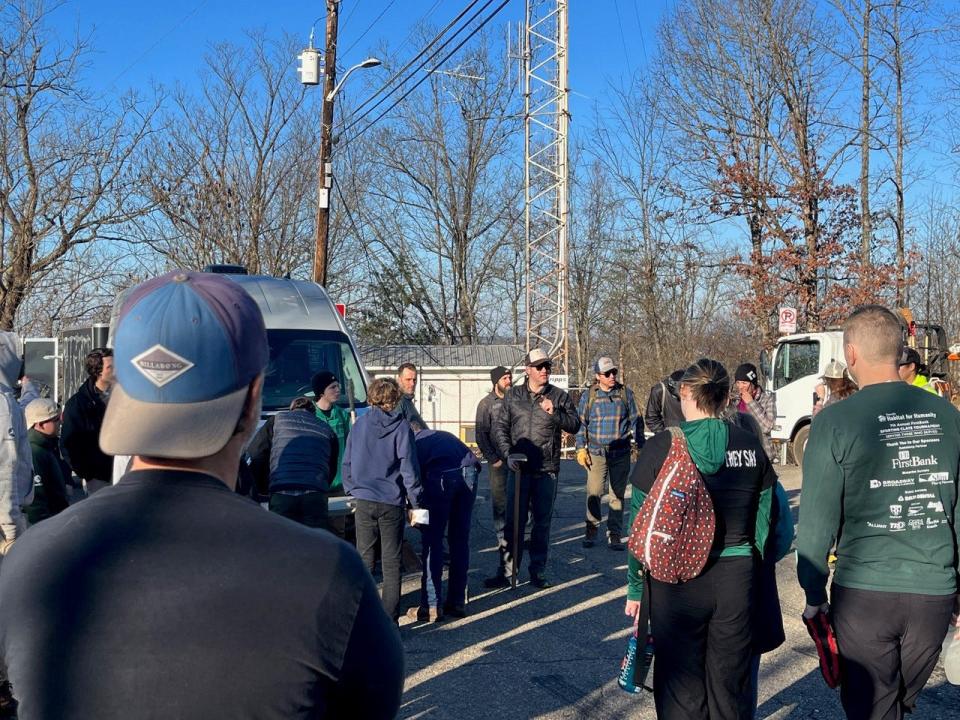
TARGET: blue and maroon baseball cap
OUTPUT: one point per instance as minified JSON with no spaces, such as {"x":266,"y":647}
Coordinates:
{"x":187,"y":345}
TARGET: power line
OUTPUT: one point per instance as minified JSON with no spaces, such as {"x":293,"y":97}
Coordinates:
{"x":163,"y":37}
{"x":356,"y":117}
{"x":426,"y":75}
{"x":369,"y":27}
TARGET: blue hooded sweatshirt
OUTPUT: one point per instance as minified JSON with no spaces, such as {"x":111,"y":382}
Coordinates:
{"x":380,"y":460}
{"x":439,"y":452}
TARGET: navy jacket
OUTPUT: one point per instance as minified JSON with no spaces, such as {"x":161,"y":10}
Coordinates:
{"x":439,"y":452}
{"x":380,"y":460}
{"x":294,"y":450}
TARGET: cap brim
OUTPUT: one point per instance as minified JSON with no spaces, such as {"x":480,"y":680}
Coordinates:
{"x":169,"y":430}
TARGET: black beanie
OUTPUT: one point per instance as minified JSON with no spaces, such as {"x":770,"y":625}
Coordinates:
{"x":321,"y":381}
{"x":498,"y":372}
{"x":747,"y":373}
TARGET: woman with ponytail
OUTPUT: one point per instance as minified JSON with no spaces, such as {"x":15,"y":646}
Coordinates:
{"x":702,"y":628}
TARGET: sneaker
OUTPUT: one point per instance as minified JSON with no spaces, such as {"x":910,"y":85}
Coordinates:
{"x":614,"y":542}
{"x":497,"y":581}
{"x":540,"y":582}
{"x":589,"y":535}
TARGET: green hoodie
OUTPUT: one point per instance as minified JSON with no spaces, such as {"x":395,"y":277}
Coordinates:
{"x":706,"y":443}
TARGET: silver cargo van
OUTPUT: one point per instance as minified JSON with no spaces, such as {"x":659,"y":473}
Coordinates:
{"x":306,"y":335}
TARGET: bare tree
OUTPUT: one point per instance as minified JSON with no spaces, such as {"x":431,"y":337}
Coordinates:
{"x":442,"y":203}
{"x":70,"y":167}
{"x":234,"y":178}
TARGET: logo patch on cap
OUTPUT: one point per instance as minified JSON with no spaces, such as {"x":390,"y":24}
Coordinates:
{"x":160,"y":366}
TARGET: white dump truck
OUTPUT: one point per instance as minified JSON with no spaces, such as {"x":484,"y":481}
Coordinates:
{"x":794,"y":367}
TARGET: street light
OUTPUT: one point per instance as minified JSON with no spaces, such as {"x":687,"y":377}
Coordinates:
{"x":309,"y":75}
{"x":368,"y":63}
{"x":325,"y":169}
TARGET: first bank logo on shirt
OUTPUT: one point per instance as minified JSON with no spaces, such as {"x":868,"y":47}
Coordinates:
{"x":905,"y":460}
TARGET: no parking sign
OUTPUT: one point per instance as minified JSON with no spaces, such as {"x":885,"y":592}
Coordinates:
{"x":788,"y":320}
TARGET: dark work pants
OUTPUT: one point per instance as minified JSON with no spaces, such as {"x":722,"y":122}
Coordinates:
{"x":450,"y":514}
{"x":308,"y":509}
{"x":538,"y":491}
{"x":702,"y":631}
{"x":383,"y":522}
{"x":889,"y":643}
{"x":498,"y":501}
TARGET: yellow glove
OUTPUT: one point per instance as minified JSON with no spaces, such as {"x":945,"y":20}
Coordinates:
{"x":583,"y":457}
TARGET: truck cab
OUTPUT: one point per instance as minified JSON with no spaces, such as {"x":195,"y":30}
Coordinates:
{"x":795,"y":365}
{"x":792,"y":371}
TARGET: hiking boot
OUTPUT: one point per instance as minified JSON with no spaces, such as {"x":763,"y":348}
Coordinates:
{"x":540,"y":581}
{"x":614,"y":542}
{"x":589,"y":535}
{"x":422,"y":614}
{"x":454,"y":611}
{"x":500,"y":580}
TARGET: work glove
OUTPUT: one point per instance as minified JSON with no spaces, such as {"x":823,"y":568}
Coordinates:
{"x":583,"y":457}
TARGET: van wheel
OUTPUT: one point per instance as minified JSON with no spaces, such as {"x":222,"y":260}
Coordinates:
{"x":799,"y":444}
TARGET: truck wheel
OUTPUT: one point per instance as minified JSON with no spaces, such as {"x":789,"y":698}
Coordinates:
{"x":799,"y":444}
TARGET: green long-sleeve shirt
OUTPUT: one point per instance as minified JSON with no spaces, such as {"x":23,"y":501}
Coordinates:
{"x":339,"y":421}
{"x":880,"y":479}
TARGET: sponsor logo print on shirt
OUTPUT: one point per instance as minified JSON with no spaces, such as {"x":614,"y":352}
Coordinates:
{"x":905,"y":460}
{"x":896,"y":510}
{"x":161,"y":366}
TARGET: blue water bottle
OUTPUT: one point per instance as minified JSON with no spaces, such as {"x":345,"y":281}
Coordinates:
{"x":635,"y":666}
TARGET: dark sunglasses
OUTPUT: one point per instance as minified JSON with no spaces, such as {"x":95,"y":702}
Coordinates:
{"x":541,"y":366}
{"x":609,"y":373}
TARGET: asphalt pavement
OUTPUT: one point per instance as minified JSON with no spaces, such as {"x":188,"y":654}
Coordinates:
{"x":555,"y":653}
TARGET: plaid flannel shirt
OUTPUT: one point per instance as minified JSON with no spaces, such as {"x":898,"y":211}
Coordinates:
{"x":613,"y":417}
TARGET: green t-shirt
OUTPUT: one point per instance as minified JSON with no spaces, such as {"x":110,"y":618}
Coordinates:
{"x":339,"y":421}
{"x":880,"y":480}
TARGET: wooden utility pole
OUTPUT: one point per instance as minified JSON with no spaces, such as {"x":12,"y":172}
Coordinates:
{"x":325,"y":168}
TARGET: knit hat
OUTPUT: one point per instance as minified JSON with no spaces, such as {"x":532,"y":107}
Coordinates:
{"x":321,"y":381}
{"x":41,"y":410}
{"x":498,"y":372}
{"x":187,"y":347}
{"x":747,"y":372}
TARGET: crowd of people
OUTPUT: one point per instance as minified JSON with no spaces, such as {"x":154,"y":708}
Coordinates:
{"x":174,"y":575}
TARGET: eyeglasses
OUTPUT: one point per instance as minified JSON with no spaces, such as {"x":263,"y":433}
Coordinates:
{"x":610,"y":373}
{"x":543,"y":366}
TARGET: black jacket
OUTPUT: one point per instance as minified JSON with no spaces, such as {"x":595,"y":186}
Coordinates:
{"x":487,"y":412}
{"x":80,"y":434}
{"x":293,"y":450}
{"x":523,"y":427}
{"x":663,"y":408}
{"x":51,"y":475}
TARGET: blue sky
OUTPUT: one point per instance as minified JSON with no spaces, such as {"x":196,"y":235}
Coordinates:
{"x":135,"y":43}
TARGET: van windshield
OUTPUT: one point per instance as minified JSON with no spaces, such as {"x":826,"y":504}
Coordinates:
{"x":297,"y":355}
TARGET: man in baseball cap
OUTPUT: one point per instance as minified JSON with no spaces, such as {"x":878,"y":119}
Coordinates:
{"x":176,"y":576}
{"x":911,"y":370}
{"x":51,"y":475}
{"x":609,"y":419}
{"x":530,"y":423}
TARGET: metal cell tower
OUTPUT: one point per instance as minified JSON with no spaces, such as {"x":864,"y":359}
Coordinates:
{"x":546,"y":122}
